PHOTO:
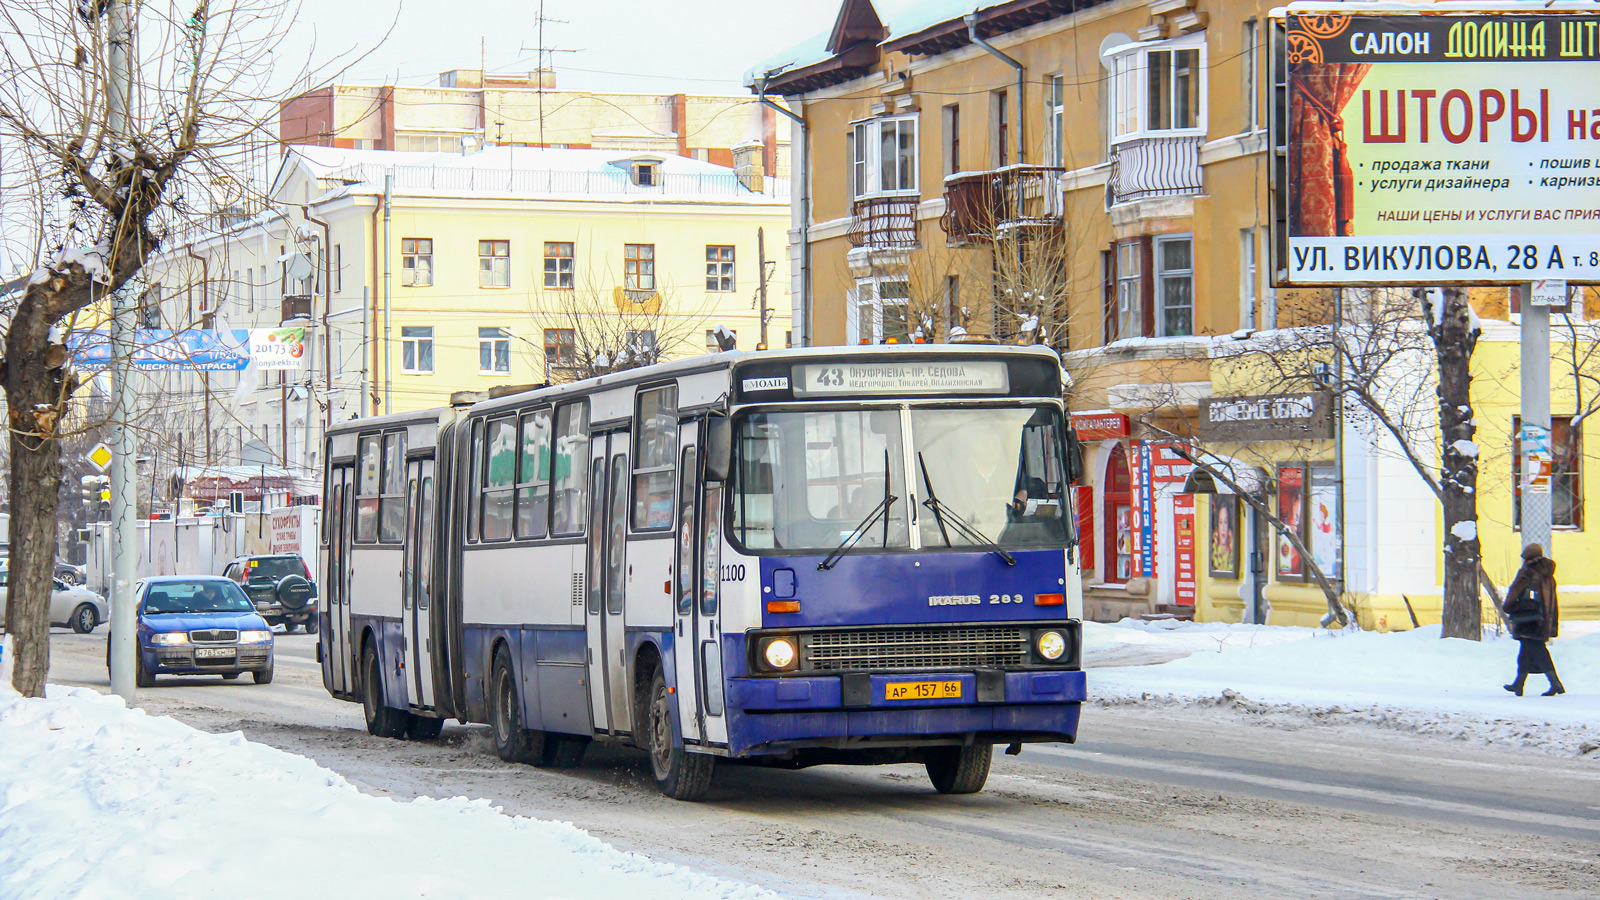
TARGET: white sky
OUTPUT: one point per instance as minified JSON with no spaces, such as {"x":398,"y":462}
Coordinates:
{"x":692,"y":46}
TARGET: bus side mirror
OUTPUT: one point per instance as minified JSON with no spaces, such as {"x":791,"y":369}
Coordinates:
{"x":1074,"y":456}
{"x":718,"y":453}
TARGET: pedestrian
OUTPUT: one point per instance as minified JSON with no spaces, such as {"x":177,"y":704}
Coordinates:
{"x":1535,"y":618}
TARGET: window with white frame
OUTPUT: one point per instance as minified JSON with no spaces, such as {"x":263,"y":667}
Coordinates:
{"x":494,"y":264}
{"x":1158,"y":88}
{"x":1247,"y":278}
{"x":416,"y":349}
{"x":494,"y":351}
{"x":416,"y":262}
{"x":1174,"y":256}
{"x":558,"y":265}
{"x":880,"y":311}
{"x":719,"y":268}
{"x":1056,"y":118}
{"x":883,"y":156}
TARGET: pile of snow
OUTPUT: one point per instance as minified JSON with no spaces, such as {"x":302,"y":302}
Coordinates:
{"x":100,"y":801}
{"x":1412,"y":680}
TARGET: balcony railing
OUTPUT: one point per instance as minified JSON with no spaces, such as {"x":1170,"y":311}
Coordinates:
{"x":1154,"y":167}
{"x":296,"y":306}
{"x":986,"y":206}
{"x":884,"y":223}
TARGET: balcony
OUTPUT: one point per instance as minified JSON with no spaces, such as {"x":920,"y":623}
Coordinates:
{"x":988,"y":206}
{"x":1148,"y":167}
{"x":884,"y":223}
{"x":296,"y":306}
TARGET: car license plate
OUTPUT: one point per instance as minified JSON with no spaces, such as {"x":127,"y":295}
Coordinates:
{"x":921,"y":690}
{"x":213,"y":652}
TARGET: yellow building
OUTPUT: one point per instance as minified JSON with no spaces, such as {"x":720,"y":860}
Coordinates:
{"x":418,"y":275}
{"x":1094,"y":176}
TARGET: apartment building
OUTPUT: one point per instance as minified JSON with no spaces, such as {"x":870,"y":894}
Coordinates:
{"x":415,"y":275}
{"x":1094,"y":176}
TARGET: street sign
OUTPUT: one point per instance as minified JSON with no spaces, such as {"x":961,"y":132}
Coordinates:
{"x":100,"y":457}
{"x":1551,"y":292}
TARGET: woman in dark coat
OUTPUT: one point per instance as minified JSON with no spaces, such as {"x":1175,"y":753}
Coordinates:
{"x":1535,"y":619}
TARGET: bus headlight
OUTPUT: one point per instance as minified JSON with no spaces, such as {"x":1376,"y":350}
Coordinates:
{"x":1051,"y":645}
{"x":778,"y":653}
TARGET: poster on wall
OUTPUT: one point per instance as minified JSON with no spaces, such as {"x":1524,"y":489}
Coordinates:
{"x":1438,"y":147}
{"x":1291,"y":509}
{"x":1224,"y":533}
{"x":1323,"y":509}
{"x":1124,"y":543}
{"x":1184,"y":549}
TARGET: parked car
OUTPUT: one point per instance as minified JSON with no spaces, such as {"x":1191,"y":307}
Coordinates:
{"x":280,"y":586}
{"x":78,"y":608}
{"x":198,"y":625}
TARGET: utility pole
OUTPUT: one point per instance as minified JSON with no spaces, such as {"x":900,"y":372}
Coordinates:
{"x":388,"y":382}
{"x":1537,"y":454}
{"x":124,"y":646}
{"x":761,"y":251}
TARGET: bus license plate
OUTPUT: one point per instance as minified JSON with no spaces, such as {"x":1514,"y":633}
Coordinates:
{"x":213,"y":652}
{"x":921,"y":690}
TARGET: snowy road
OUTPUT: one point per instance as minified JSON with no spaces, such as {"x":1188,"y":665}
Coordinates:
{"x":1152,"y":803}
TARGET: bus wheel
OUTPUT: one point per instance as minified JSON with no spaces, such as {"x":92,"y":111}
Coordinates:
{"x":680,"y":774}
{"x":958,"y":770}
{"x":512,"y":742}
{"x":381,"y":720}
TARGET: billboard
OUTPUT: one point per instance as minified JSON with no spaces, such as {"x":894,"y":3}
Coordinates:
{"x":196,"y":349}
{"x":1437,"y":147}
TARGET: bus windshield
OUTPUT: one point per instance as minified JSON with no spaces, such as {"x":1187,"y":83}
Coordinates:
{"x":805,"y":479}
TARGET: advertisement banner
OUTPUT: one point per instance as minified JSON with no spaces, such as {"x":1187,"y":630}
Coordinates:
{"x":163,"y":350}
{"x":1183,"y":522}
{"x":278,"y":348}
{"x":1439,"y":148}
{"x":1147,"y":512}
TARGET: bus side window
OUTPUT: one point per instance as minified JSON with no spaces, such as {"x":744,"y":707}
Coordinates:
{"x":533,"y":476}
{"x":367,"y":489}
{"x":571,"y":468}
{"x":475,"y":479}
{"x":656,"y":442}
{"x":686,"y":533}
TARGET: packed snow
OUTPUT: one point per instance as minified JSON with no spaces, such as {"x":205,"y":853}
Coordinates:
{"x":100,"y":801}
{"x":1411,"y":680}
{"x":1465,"y":530}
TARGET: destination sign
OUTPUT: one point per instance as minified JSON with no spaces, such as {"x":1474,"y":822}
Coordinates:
{"x":878,"y":378}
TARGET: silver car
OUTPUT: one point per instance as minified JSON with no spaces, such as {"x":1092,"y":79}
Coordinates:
{"x":79,"y":608}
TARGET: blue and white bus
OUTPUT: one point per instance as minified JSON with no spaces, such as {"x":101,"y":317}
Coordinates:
{"x":790,"y":558}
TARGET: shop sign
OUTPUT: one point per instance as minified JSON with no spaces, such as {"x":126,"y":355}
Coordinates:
{"x":1101,"y":426}
{"x":1435,"y":148}
{"x":1147,"y":511}
{"x":1267,"y":417}
{"x":1183,"y":521}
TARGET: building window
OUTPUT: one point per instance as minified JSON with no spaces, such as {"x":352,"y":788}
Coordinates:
{"x":1250,"y":57}
{"x":646,"y":174}
{"x":558,"y":265}
{"x":1055,"y":117}
{"x":494,"y":264}
{"x":880,"y":311}
{"x":560,"y":348}
{"x":639,"y":267}
{"x":416,"y":349}
{"x":494,"y":351}
{"x":1130,"y":289}
{"x":338,"y":268}
{"x":642,"y":346}
{"x":416,"y":262}
{"x":952,"y":139}
{"x":1175,"y":285}
{"x":1247,"y":278}
{"x":1002,"y":129}
{"x":883,"y":156}
{"x":1158,"y":89}
{"x":1566,"y":473}
{"x":715,"y":346}
{"x":719,"y":268}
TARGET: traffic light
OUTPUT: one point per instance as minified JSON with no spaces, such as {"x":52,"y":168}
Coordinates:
{"x":96,"y":493}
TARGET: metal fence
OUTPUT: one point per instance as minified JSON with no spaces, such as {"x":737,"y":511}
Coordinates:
{"x":1154,"y":167}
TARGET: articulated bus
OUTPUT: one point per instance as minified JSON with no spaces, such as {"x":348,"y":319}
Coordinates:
{"x":789,"y":558}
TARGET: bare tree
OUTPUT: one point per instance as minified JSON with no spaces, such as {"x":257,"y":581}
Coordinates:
{"x":117,"y":165}
{"x":603,"y":327}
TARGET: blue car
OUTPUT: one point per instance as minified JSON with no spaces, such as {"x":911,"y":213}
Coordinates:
{"x":199,"y":625}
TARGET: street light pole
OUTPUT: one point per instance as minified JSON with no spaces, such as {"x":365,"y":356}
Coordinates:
{"x":124,"y":630}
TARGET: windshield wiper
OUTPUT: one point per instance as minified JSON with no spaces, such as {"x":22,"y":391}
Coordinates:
{"x":860,"y":531}
{"x":962,"y":526}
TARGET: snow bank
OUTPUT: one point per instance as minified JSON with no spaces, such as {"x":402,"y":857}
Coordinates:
{"x":1413,"y":680}
{"x":97,"y":801}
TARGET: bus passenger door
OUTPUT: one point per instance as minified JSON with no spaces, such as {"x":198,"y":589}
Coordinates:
{"x":418,"y":588}
{"x":607,"y":575}
{"x":691,"y":713}
{"x":708,"y":613}
{"x":335,"y":587}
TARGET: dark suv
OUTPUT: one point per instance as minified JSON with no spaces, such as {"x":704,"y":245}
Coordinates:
{"x":280,"y":586}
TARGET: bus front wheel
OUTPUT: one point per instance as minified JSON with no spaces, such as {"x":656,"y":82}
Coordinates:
{"x":958,"y":770}
{"x":680,"y":774}
{"x":382,"y":721}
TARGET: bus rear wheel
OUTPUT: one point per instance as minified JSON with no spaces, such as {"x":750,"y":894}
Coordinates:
{"x":382,"y":721}
{"x":958,"y":770}
{"x":512,"y":742}
{"x":680,"y":774}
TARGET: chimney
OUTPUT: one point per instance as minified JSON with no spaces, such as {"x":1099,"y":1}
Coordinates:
{"x":750,"y":165}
